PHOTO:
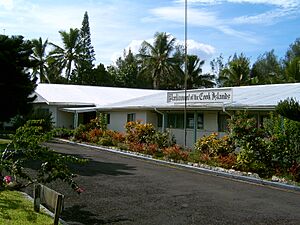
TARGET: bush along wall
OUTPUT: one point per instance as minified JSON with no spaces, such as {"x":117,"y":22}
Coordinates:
{"x":271,"y":149}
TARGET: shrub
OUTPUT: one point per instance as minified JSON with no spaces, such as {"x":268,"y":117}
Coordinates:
{"x":117,"y":138}
{"x":163,"y":139}
{"x":150,"y":149}
{"x":80,"y":133}
{"x":213,"y":146}
{"x":138,"y":132}
{"x":27,"y":148}
{"x":176,"y":153}
{"x":63,"y":132}
{"x":105,"y":141}
{"x":247,"y":161}
{"x":227,"y":161}
{"x":94,"y":135}
{"x":289,"y":108}
{"x":283,"y":141}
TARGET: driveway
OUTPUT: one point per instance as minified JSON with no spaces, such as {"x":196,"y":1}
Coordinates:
{"x":124,"y":190}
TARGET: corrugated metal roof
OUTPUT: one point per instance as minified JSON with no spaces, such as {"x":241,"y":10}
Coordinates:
{"x":61,"y":94}
{"x":251,"y":97}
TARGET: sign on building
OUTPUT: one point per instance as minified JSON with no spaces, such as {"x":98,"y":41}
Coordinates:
{"x":201,"y":96}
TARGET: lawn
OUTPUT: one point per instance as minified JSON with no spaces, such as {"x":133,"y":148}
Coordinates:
{"x":3,"y":143}
{"x":15,"y":209}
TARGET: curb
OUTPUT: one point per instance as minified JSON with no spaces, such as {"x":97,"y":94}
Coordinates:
{"x":190,"y":167}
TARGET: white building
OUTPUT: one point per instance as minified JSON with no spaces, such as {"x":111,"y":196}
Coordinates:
{"x":206,"y":109}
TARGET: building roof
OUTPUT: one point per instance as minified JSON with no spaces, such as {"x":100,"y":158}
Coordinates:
{"x":258,"y":97}
{"x":80,"y":95}
{"x":90,"y":98}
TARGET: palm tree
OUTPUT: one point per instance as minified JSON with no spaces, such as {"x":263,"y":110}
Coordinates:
{"x":40,"y":56}
{"x":157,"y":60}
{"x":236,"y":73}
{"x":67,"y":56}
{"x":195,"y":77}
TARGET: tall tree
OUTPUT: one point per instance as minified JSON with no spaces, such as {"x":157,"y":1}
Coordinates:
{"x":236,"y":72}
{"x":40,"y":55}
{"x":87,"y":55}
{"x":16,"y":85}
{"x":126,"y":72}
{"x":293,"y":51}
{"x":268,"y":69}
{"x":292,"y":70}
{"x":158,"y":61}
{"x":67,"y":57}
{"x":100,"y":77}
{"x":195,"y":77}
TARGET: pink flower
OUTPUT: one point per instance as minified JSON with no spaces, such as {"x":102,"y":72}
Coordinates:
{"x":79,"y":190}
{"x":7,"y":179}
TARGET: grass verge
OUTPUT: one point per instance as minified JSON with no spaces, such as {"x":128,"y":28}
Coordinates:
{"x":15,"y":209}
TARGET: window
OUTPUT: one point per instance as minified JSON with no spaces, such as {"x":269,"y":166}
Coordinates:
{"x":223,"y":122}
{"x":131,"y":117}
{"x":200,"y":121}
{"x":176,"y":120}
{"x":108,"y":118}
{"x":190,"y":120}
{"x":159,"y":120}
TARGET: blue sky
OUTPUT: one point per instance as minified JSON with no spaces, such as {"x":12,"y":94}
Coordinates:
{"x":214,"y":26}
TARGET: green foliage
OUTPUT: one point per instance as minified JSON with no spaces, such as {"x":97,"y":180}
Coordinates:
{"x":195,"y":77}
{"x":268,"y":69}
{"x":26,"y":149}
{"x":284,"y":141}
{"x":139,"y":132}
{"x":236,"y":72}
{"x":159,"y":61}
{"x":15,"y":83}
{"x":250,"y":140}
{"x":36,"y":114}
{"x":66,"y":57}
{"x":40,"y":56}
{"x":80,"y":133}
{"x":213,"y":146}
{"x":289,"y":108}
{"x":17,"y":209}
{"x":62,"y":132}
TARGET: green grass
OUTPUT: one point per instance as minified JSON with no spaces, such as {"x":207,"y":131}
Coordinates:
{"x":3,"y":143}
{"x":15,"y":209}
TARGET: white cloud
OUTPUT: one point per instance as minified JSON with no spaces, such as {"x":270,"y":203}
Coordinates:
{"x":7,"y":4}
{"x":282,"y":8}
{"x":200,"y":18}
{"x":279,"y":3}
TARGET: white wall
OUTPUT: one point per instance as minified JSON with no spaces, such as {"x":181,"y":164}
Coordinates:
{"x":210,"y":126}
{"x":119,"y":119}
{"x":65,"y":119}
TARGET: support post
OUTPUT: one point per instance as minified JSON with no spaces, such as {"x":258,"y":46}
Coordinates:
{"x":195,"y":126}
{"x":75,"y":119}
{"x":37,"y":197}
{"x":58,"y":209}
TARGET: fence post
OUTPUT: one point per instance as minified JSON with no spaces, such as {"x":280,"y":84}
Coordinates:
{"x":58,"y":209}
{"x":37,"y":197}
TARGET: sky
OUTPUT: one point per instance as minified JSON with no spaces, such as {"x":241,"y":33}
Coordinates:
{"x":215,"y":27}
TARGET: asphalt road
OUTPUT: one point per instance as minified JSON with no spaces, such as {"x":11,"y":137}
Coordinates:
{"x":125,"y":190}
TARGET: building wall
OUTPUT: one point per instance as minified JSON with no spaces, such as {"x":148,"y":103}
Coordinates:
{"x":119,"y":119}
{"x":65,"y":119}
{"x":210,"y":125}
{"x":151,"y":117}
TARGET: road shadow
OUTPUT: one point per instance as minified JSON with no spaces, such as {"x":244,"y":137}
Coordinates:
{"x":77,"y":214}
{"x":94,"y":167}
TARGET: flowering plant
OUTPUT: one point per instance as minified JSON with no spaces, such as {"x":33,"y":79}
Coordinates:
{"x":7,"y":180}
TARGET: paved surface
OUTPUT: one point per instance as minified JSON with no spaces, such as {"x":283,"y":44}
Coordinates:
{"x":124,"y":190}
